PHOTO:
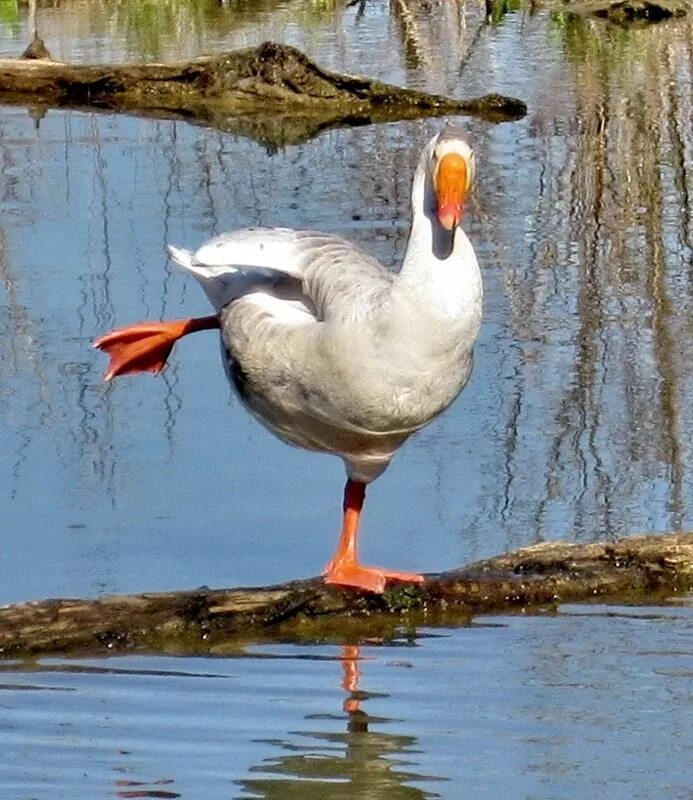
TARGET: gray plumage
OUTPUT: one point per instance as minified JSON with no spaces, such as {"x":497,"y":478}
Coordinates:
{"x":331,"y":350}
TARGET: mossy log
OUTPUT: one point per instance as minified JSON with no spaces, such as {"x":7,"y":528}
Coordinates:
{"x":259,"y":85}
{"x":636,"y":568}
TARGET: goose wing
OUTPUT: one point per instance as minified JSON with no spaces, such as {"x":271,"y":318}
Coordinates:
{"x":319,"y":274}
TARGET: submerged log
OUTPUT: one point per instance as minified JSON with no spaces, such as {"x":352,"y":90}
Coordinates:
{"x":208,"y":620}
{"x":259,"y":83}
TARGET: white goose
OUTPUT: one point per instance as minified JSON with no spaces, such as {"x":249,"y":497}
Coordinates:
{"x":329,"y":349}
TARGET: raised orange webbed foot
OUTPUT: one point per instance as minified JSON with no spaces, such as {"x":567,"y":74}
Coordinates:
{"x":145,"y":347}
{"x":370,"y":579}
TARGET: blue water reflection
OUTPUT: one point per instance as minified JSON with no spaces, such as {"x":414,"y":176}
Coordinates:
{"x":577,"y":423}
{"x":593,"y":701}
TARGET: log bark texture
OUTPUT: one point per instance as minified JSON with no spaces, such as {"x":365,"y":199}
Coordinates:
{"x":208,"y":620}
{"x":272,"y":85}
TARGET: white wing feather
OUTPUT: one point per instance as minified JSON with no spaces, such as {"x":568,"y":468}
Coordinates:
{"x":324,"y":273}
{"x":224,"y":265}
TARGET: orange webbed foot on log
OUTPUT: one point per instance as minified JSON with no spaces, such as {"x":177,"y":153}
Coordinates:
{"x":370,"y":579}
{"x":345,"y":569}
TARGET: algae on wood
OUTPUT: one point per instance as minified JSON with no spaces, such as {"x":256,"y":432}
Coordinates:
{"x":204,"y":619}
{"x":259,"y":84}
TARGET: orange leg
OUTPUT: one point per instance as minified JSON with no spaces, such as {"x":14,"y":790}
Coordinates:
{"x":146,"y":346}
{"x":344,"y":569}
{"x":351,"y":654}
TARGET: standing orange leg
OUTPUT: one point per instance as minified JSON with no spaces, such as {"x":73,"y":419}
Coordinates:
{"x":344,"y":569}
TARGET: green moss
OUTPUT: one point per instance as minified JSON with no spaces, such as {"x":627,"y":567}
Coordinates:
{"x":403,"y":597}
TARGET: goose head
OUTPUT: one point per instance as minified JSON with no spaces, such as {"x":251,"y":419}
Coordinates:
{"x":452,"y":170}
{"x":442,"y":182}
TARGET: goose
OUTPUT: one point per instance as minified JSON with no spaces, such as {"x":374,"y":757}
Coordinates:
{"x":328,"y":348}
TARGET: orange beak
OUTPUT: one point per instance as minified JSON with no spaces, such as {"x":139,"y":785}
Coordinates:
{"x":451,"y":185}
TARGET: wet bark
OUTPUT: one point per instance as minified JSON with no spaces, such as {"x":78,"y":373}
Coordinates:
{"x":270,"y":85}
{"x":211,"y":620}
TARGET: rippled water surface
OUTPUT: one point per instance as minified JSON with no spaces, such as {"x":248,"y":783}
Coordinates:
{"x":576,"y":424}
{"x":592,"y":702}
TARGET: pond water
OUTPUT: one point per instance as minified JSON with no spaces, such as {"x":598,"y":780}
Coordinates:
{"x":594,"y":702}
{"x":577,"y":423}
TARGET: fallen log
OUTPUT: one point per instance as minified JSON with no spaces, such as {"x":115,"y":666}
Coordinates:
{"x":208,"y":620}
{"x":628,"y":13}
{"x":258,"y":84}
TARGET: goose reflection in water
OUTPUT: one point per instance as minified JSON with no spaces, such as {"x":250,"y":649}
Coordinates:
{"x":358,"y":763}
